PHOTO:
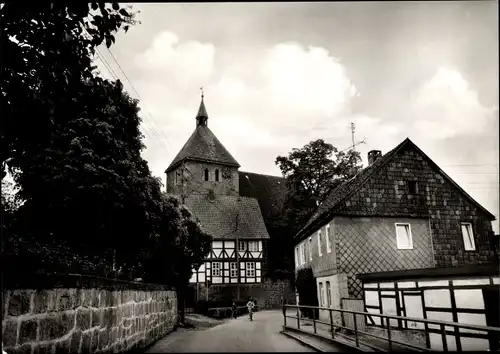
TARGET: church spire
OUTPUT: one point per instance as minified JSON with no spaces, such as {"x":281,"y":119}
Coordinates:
{"x":202,"y":116}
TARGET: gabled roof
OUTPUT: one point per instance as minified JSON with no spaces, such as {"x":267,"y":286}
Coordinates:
{"x":345,"y":190}
{"x":270,"y":191}
{"x":228,"y":217}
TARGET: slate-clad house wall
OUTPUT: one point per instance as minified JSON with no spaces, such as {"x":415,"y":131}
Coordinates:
{"x":357,"y":222}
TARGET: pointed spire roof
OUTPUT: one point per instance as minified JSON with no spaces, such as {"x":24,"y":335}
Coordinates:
{"x":203,"y":145}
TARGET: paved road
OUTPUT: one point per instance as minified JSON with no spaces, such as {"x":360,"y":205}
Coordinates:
{"x":235,"y":335}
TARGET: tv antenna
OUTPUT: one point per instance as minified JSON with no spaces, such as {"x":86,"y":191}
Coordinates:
{"x":354,"y":144}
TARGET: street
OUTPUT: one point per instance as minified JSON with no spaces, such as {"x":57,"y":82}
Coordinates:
{"x":235,"y":335}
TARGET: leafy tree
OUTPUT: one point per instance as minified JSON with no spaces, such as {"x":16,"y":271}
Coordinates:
{"x":178,"y":247}
{"x":46,"y":54}
{"x":312,"y":173}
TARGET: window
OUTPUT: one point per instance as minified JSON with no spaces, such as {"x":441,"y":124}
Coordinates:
{"x":206,"y":174}
{"x":297,"y":256}
{"x":302,"y":254}
{"x":320,"y":298}
{"x":328,"y":294}
{"x":468,"y":236}
{"x":242,"y":246}
{"x":327,"y":235}
{"x":253,"y":246}
{"x":310,"y":249}
{"x":319,"y":243}
{"x":217,"y":175}
{"x":250,"y":269}
{"x":412,"y":187}
{"x":234,"y":269}
{"x":403,"y":236}
{"x":216,"y":271}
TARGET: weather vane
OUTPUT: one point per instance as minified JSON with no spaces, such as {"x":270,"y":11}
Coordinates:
{"x":202,"y":94}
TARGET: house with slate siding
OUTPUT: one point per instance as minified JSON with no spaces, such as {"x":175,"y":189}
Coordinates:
{"x":205,"y":177}
{"x":401,"y":212}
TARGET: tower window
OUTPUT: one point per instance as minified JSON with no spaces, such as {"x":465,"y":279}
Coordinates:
{"x":217,"y":175}
{"x":206,"y":174}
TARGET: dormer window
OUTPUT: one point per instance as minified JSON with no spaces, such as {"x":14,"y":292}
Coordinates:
{"x":216,"y":175}
{"x":206,"y":174}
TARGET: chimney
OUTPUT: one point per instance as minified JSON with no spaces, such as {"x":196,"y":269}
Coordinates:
{"x":373,"y":155}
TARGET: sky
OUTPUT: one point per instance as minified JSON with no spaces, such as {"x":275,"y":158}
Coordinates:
{"x":279,"y":75}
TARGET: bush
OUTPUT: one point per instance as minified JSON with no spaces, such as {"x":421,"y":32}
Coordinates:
{"x":308,"y":294}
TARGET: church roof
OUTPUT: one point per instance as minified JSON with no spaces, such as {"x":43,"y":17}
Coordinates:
{"x":228,"y":217}
{"x":270,"y":191}
{"x":203,"y":145}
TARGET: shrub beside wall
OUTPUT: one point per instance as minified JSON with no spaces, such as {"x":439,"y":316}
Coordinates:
{"x":78,"y":314}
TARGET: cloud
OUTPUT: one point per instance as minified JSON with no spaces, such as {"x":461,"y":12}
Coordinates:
{"x":445,"y":106}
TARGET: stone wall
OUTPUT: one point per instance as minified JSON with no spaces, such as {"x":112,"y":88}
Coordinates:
{"x":268,"y":293}
{"x":85,"y":315}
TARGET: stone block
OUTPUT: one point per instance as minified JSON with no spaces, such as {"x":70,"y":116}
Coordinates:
{"x":10,"y":333}
{"x":103,"y":339}
{"x":96,"y":317}
{"x":86,"y":342}
{"x":63,"y":346}
{"x":67,"y":299}
{"x":86,"y":295}
{"x":94,"y":298}
{"x":94,"y":344}
{"x":19,"y":303}
{"x":76,"y":338}
{"x":24,"y":349}
{"x":103,"y":298}
{"x":56,"y":325}
{"x":83,"y":319}
{"x":41,"y":301}
{"x":27,"y":331}
{"x":45,"y":348}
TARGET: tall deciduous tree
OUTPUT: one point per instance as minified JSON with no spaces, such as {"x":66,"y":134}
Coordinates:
{"x":313,"y":171}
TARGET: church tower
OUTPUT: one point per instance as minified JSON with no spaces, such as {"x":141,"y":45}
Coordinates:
{"x":203,"y":166}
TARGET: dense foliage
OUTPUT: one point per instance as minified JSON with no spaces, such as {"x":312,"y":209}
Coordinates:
{"x":306,"y":287}
{"x":87,"y":201}
{"x":312,"y":172}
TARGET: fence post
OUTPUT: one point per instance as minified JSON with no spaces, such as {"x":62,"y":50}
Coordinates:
{"x":331,"y":323}
{"x":284,"y":315}
{"x":356,"y":330}
{"x":298,"y":317}
{"x":389,"y":333}
{"x":443,"y":338}
{"x":313,"y":312}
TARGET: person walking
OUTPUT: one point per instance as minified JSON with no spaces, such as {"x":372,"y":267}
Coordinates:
{"x":250,"y":306}
{"x":235,"y":309}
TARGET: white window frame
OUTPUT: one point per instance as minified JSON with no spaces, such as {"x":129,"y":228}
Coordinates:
{"x":244,"y":248}
{"x":253,"y":246}
{"x":319,"y":243}
{"x":301,"y":254}
{"x":327,"y":236}
{"x":320,"y":290}
{"x":249,"y":268}
{"x":400,"y":246}
{"x":297,"y":263}
{"x":216,"y":271}
{"x":233,"y":266}
{"x":310,"y":249}
{"x":468,"y":237}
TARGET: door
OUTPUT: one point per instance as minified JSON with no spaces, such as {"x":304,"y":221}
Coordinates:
{"x":491,"y":299}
